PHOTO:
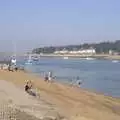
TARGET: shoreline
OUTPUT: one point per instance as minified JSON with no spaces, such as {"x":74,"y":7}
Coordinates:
{"x":70,"y":101}
{"x":97,"y":56}
{"x":68,"y":84}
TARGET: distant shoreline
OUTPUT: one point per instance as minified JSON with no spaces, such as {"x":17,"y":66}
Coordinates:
{"x":97,"y":56}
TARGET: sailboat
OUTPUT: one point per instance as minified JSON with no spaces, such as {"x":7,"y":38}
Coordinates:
{"x":65,"y":57}
{"x":29,"y":61}
{"x":35,"y":58}
{"x":13,"y":57}
{"x":89,"y":58}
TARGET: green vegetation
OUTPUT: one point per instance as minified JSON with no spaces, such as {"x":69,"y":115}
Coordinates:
{"x":102,"y":47}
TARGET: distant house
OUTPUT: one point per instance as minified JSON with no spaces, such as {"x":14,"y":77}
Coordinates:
{"x":113,"y":52}
{"x":64,"y":51}
{"x":86,"y":51}
{"x":73,"y":52}
{"x":81,"y":51}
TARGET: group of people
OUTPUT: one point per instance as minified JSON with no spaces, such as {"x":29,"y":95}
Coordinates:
{"x":48,"y":77}
{"x":12,"y":65}
{"x":12,"y":68}
{"x":29,"y":85}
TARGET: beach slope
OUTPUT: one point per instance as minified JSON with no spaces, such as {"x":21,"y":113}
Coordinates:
{"x":73,"y":103}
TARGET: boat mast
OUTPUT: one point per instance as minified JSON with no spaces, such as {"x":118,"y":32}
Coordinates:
{"x":14,"y":48}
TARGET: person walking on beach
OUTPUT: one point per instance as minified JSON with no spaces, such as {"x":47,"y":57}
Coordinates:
{"x":50,"y":76}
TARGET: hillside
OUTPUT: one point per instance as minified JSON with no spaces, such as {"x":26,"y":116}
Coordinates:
{"x":102,"y":47}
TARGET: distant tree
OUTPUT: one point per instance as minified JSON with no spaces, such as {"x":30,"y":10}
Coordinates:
{"x":102,"y":47}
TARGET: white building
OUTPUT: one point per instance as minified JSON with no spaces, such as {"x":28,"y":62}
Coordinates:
{"x":73,"y":52}
{"x":81,"y":51}
{"x":61,"y":52}
{"x":86,"y":51}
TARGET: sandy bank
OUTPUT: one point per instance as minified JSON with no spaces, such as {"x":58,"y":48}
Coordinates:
{"x":71,"y":102}
{"x":15,"y":99}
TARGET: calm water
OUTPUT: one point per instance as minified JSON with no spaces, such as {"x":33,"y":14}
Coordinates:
{"x":97,"y":75}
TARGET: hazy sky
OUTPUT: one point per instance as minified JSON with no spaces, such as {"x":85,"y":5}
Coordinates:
{"x":35,"y":23}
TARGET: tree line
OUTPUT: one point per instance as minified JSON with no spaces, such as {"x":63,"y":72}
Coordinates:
{"x":102,"y":47}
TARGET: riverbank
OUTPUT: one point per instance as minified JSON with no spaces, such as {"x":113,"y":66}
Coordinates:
{"x":74,"y":103}
{"x":97,"y":56}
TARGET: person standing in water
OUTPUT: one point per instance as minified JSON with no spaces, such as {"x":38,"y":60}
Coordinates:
{"x":49,"y":76}
{"x":78,"y":81}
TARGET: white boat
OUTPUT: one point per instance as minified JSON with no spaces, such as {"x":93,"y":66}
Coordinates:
{"x":29,"y":61}
{"x":88,"y":58}
{"x":115,"y":61}
{"x":65,"y":57}
{"x":35,"y":58}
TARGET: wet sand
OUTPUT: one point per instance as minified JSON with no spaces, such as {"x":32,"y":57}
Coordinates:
{"x":74,"y":103}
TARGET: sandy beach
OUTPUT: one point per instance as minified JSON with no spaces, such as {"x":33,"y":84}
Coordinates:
{"x":72,"y":103}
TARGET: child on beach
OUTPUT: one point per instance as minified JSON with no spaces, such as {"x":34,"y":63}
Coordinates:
{"x":77,"y":82}
{"x":46,"y":77}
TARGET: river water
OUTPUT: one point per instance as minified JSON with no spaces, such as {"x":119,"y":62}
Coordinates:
{"x":102,"y":76}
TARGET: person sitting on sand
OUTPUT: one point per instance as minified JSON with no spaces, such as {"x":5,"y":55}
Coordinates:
{"x":29,"y":89}
{"x":28,"y":86}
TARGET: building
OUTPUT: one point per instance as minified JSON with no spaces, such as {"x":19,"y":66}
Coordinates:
{"x":113,"y":52}
{"x":81,"y":51}
{"x":64,"y":51}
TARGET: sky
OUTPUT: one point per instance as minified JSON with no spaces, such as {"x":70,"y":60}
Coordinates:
{"x":27,"y":24}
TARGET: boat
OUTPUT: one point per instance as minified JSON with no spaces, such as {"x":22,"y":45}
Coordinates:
{"x":88,"y":58}
{"x":29,"y":61}
{"x":35,"y":58}
{"x":65,"y":57}
{"x":115,"y":61}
